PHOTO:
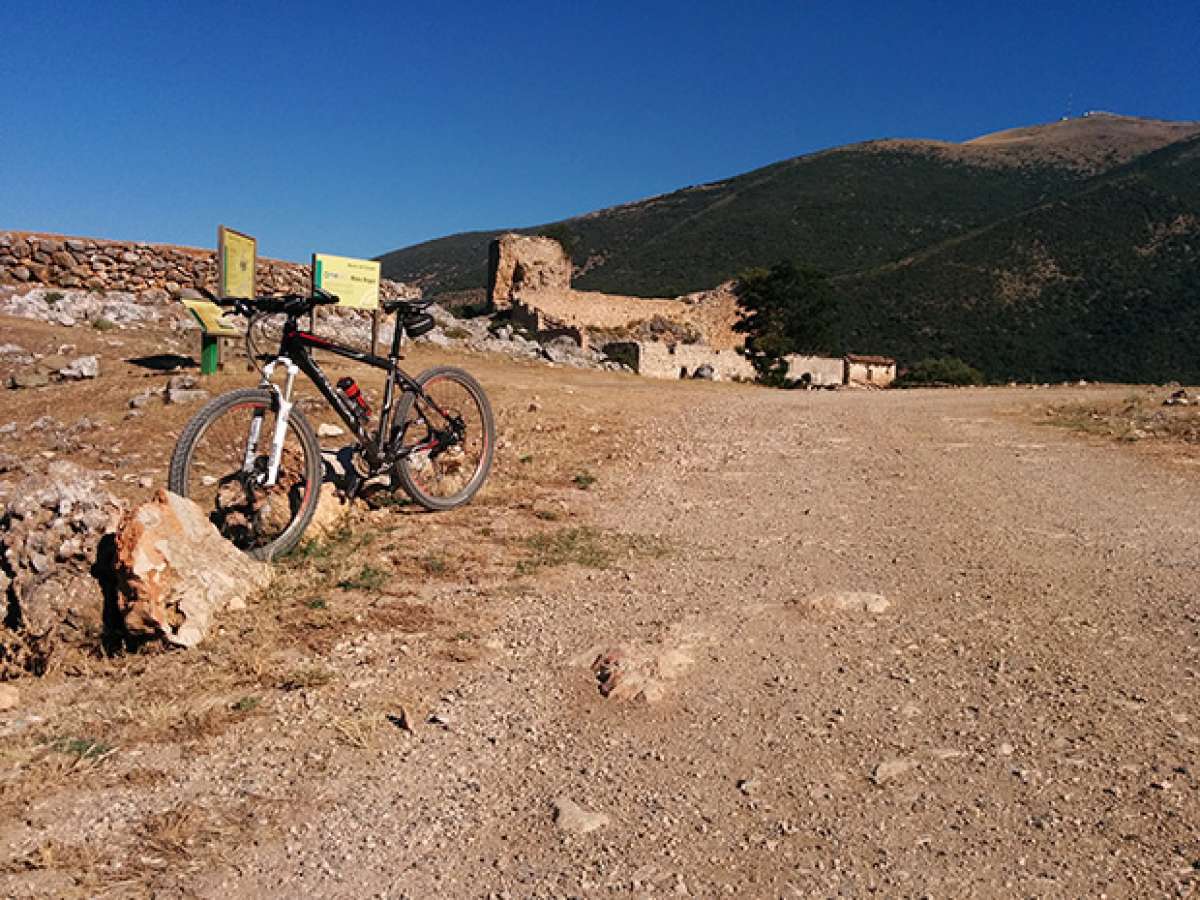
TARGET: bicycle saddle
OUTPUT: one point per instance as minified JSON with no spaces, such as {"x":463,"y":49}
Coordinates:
{"x":404,"y":307}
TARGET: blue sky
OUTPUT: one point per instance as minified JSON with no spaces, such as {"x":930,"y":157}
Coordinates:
{"x":359,"y":127}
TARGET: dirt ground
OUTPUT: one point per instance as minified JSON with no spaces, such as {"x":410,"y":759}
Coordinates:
{"x":692,"y":639}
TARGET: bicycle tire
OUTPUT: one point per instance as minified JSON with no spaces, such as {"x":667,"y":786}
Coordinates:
{"x":182,"y":458}
{"x":406,"y":468}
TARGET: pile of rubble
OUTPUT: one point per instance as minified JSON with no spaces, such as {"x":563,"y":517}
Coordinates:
{"x":100,"y":309}
{"x":80,"y":574}
{"x":51,"y":529}
{"x":61,"y":366}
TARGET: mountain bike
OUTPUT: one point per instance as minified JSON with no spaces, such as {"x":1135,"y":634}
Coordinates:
{"x":252,"y":462}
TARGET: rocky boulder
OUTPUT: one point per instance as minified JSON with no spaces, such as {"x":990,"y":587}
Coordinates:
{"x":51,"y":531}
{"x":176,"y":573}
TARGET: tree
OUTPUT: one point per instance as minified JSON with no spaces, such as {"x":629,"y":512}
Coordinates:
{"x":786,"y":309}
{"x":940,"y":370}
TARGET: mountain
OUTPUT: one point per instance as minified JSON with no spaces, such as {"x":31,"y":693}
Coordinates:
{"x":1023,"y":251}
{"x":1101,"y":282}
{"x":845,"y":209}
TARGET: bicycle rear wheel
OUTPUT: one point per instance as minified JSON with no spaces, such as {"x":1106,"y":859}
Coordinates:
{"x":447,"y":439}
{"x":221,"y":458}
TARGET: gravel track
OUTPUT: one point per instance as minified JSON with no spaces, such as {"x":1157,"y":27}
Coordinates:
{"x":904,"y":644}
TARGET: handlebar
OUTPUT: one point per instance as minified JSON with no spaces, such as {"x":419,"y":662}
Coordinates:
{"x":287,"y":304}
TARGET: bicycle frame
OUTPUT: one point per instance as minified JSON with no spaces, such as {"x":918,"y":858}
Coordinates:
{"x":295,"y":353}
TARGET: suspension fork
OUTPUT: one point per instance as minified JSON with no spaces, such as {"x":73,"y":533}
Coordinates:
{"x":283,"y":398}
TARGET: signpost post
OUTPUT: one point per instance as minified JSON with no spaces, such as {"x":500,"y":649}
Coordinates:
{"x":354,"y":281}
{"x":237,"y":255}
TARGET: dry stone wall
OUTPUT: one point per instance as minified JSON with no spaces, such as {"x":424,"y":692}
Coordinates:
{"x":99,"y":265}
{"x":659,"y":360}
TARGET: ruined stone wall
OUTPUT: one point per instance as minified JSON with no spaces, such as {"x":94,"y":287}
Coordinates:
{"x":658,"y":360}
{"x":536,"y":272}
{"x":520,"y":263}
{"x":543,"y":328}
{"x":98,"y":265}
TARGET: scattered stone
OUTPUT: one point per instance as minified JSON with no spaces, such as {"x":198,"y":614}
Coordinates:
{"x":176,"y":572}
{"x":637,"y":673}
{"x":182,"y":382}
{"x":137,"y":401}
{"x":401,"y":720}
{"x":326,"y":429}
{"x":82,"y":368}
{"x":181,"y":396}
{"x":1007,"y":749}
{"x":53,"y":363}
{"x":330,"y":511}
{"x":50,"y":536}
{"x":1178,"y":398}
{"x":850,"y":601}
{"x":28,"y":379}
{"x":892,"y":768}
{"x":573,"y":818}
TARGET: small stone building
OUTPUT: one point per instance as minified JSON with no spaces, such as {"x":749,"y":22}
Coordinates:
{"x":877,"y":371}
{"x":816,"y":371}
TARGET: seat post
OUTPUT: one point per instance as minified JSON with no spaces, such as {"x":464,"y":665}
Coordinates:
{"x":397,"y":337}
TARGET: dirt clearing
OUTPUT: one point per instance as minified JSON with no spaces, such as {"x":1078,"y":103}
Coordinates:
{"x":691,"y":639}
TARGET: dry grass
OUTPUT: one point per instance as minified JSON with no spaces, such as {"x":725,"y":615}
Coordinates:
{"x":373,"y":577}
{"x":587,"y":547}
{"x":169,"y":846}
{"x":1137,"y":417}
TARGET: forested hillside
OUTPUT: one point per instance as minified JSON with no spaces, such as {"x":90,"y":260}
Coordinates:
{"x":1101,"y":283}
{"x":1058,"y":251}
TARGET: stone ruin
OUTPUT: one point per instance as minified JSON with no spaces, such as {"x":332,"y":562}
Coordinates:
{"x":520,"y":264}
{"x":668,"y":337}
{"x":691,"y":336}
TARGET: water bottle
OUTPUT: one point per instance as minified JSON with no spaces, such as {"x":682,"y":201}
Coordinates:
{"x":353,"y":396}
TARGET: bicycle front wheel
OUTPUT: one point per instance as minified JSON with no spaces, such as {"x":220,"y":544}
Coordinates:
{"x":447,"y":438}
{"x":221,"y":461}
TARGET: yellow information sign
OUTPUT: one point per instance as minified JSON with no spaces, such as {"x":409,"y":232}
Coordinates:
{"x":236,"y":255}
{"x":209,"y":317}
{"x":355,"y":282}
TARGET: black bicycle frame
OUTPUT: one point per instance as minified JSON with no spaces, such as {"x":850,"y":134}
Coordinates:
{"x":297,"y":346}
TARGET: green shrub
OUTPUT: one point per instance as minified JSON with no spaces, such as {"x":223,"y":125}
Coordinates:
{"x":944,"y":370}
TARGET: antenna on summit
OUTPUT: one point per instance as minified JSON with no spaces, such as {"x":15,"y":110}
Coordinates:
{"x":1070,"y":106}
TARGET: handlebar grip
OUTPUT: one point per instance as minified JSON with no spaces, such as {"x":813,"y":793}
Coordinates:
{"x":324,"y":298}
